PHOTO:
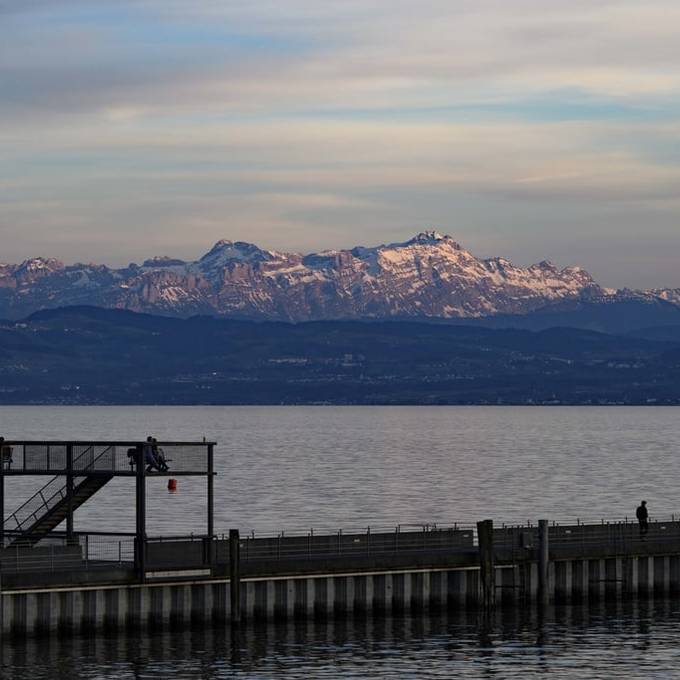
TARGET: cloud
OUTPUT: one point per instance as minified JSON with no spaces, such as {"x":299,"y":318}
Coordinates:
{"x":312,"y":124}
{"x":269,"y":57}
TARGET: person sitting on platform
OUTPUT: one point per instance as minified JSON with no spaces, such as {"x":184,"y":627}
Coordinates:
{"x":160,"y":456}
{"x":150,"y":457}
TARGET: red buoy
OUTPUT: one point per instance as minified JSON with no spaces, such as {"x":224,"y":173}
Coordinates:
{"x":172,"y":485}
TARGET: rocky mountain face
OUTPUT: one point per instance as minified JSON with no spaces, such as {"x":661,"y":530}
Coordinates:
{"x":428,"y":276}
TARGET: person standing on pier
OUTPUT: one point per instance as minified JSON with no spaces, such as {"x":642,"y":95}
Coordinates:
{"x":642,"y":518}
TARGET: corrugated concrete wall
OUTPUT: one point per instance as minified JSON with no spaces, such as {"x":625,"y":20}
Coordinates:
{"x":207,"y":601}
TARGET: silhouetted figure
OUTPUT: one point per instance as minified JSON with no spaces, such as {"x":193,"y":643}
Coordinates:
{"x":160,"y":456}
{"x":6,"y":452}
{"x":150,"y":458}
{"x":133,"y":457}
{"x":642,"y":518}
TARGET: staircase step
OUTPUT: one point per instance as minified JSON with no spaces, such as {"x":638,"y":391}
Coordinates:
{"x":57,"y":514}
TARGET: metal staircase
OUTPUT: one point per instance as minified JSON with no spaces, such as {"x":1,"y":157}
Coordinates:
{"x":49,"y":507}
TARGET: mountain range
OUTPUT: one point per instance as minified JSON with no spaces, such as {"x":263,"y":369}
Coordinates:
{"x":427,"y":277}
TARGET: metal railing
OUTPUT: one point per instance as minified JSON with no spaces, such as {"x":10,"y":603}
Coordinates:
{"x":58,"y":553}
{"x":167,"y":553}
{"x":348,"y":543}
{"x":118,"y":457}
{"x":510,"y":541}
{"x":613,"y":536}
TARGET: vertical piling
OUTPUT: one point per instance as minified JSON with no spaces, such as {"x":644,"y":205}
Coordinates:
{"x":486,"y":564}
{"x":4,"y":450}
{"x":235,"y":575}
{"x":543,"y":562}
{"x":140,"y":538}
{"x":210,"y":553}
{"x":2,"y":537}
{"x":69,"y":493}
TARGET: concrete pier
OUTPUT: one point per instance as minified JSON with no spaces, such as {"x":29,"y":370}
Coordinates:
{"x":208,"y":602}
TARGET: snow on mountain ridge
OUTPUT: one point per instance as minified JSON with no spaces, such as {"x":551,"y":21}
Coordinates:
{"x":429,"y":275}
{"x":226,"y":251}
{"x":671,"y":295}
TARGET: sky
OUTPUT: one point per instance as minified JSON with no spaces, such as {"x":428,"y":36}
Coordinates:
{"x":528,"y":129}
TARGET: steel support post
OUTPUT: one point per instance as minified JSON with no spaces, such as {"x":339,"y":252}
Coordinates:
{"x":543,"y":563}
{"x":69,"y":493}
{"x":487,"y":569}
{"x":141,"y":514}
{"x":211,"y":507}
{"x":235,"y":575}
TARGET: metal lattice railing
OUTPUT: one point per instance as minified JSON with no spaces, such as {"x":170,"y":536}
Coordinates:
{"x":120,"y":457}
{"x":348,"y":543}
{"x":455,"y":543}
{"x":58,"y":553}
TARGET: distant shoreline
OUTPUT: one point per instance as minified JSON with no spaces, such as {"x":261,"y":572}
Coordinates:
{"x":90,"y":356}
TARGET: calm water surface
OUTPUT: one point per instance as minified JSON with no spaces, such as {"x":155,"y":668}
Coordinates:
{"x":300,"y":467}
{"x":332,"y":467}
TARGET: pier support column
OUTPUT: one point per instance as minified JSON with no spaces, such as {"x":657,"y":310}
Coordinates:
{"x":487,"y":569}
{"x":2,"y":491}
{"x":141,"y":515}
{"x":235,"y":576}
{"x":543,"y":563}
{"x":210,"y":552}
{"x":2,"y":544}
{"x":69,"y":493}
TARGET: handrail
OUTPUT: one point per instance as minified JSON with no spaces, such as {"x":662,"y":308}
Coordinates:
{"x":60,"y":492}
{"x":89,"y":442}
{"x":663,"y":517}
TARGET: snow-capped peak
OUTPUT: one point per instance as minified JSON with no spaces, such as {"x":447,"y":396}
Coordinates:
{"x":37,"y":268}
{"x":430,"y":236}
{"x":37,"y":264}
{"x":225,"y":251}
{"x":163,"y":261}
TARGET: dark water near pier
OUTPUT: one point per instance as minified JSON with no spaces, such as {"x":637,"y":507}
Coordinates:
{"x":626,"y":642}
{"x":330,"y":468}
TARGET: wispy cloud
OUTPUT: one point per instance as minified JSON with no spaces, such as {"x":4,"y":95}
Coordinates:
{"x":521,"y":127}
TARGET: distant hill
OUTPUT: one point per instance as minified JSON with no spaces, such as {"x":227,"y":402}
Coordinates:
{"x":616,"y":314}
{"x":91,"y":355}
{"x":658,"y":333}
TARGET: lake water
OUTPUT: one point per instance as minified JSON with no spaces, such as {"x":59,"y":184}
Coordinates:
{"x":292,"y":468}
{"x":349,"y":467}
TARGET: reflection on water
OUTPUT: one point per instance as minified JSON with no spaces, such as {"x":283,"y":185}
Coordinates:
{"x":628,"y":641}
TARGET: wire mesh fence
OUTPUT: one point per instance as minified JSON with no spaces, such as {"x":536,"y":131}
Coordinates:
{"x":510,"y":541}
{"x":23,"y":457}
{"x":347,"y":543}
{"x":58,"y":553}
{"x":615,"y":536}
